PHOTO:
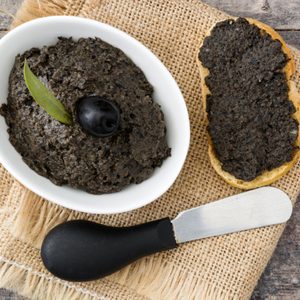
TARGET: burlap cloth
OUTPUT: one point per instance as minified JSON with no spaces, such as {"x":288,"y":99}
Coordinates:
{"x":225,"y":267}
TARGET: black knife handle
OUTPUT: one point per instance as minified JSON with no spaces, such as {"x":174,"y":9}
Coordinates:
{"x":82,"y":250}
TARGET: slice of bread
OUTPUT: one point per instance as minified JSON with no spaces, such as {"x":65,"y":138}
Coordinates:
{"x":267,"y":177}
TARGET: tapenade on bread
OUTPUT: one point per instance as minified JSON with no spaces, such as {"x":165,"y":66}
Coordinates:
{"x":251,"y":104}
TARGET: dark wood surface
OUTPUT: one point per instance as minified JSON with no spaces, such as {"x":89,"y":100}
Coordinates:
{"x":283,"y":15}
{"x":281,"y":279}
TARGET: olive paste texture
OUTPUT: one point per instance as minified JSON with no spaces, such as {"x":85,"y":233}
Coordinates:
{"x":249,"y":113}
{"x":68,"y":154}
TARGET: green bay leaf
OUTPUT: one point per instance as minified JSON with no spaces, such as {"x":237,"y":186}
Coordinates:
{"x":45,"y":99}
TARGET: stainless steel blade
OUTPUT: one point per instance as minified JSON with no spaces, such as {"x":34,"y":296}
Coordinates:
{"x":257,"y":208}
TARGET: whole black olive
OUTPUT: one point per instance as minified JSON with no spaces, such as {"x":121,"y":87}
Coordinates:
{"x":98,"y":116}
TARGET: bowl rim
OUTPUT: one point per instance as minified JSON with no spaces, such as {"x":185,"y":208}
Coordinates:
{"x":49,"y":195}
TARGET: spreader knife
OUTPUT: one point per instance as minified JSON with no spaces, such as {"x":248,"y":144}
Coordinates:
{"x":82,"y":250}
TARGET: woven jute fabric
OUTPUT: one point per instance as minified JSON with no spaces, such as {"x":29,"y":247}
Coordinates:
{"x":225,"y":267}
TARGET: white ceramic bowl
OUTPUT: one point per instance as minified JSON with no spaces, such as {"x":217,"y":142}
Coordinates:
{"x":45,"y":31}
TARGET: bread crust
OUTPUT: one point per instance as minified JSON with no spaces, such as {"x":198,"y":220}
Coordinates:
{"x":267,"y":177}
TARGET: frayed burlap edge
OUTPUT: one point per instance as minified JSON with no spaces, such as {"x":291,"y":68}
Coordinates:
{"x":32,"y":9}
{"x":37,"y":226}
{"x":35,"y":285}
{"x":162,"y":282}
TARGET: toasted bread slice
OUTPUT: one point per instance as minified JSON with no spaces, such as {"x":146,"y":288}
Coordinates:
{"x":267,"y":177}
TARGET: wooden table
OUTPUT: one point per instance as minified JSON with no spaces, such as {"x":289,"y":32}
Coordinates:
{"x":281,"y":279}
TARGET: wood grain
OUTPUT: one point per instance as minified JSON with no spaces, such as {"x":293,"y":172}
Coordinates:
{"x":280,"y":14}
{"x":7,"y":9}
{"x":292,"y":37}
{"x":281,"y":279}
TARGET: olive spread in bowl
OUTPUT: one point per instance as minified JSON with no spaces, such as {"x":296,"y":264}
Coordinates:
{"x":118,"y":134}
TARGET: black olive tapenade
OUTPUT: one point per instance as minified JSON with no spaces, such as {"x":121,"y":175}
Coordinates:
{"x":67,"y":154}
{"x":249,"y":111}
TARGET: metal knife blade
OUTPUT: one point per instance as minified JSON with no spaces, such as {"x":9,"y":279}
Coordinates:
{"x":257,"y":208}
